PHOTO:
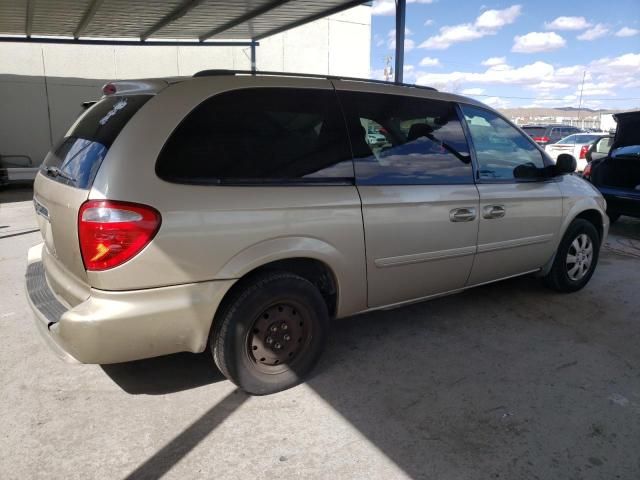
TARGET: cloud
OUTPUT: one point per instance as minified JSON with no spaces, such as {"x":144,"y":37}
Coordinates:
{"x":377,"y":74}
{"x":498,"y":75}
{"x":537,"y":42}
{"x":392,"y":32}
{"x":495,"y":19}
{"x":430,"y":62}
{"x":473,"y":91}
{"x":567,"y":23}
{"x":408,"y":44}
{"x":496,"y":102}
{"x":604,"y":77}
{"x":627,"y":32}
{"x":487,"y":23}
{"x":629,"y":62}
{"x":388,"y":7}
{"x":593,"y":33}
{"x":409,"y":73}
{"x":545,"y":86}
{"x":428,"y":22}
{"x":493,"y":61}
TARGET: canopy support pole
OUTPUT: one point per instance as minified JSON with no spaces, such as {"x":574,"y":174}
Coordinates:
{"x":401,"y":11}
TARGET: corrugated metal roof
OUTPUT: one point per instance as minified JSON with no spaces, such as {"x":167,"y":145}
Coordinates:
{"x":195,"y":20}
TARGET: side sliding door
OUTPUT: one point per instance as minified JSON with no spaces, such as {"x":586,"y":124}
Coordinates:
{"x":419,"y":202}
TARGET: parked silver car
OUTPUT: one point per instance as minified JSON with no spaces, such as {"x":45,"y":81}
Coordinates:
{"x":240,"y":213}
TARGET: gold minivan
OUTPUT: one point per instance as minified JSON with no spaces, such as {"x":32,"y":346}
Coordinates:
{"x":241,"y":213}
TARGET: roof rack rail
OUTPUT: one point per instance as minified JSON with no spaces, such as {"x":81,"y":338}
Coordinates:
{"x":222,"y":72}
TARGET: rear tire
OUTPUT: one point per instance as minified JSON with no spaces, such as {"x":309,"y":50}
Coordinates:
{"x":271,"y":333}
{"x":576,"y":258}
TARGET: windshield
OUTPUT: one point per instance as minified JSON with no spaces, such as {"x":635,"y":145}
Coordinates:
{"x":76,"y":158}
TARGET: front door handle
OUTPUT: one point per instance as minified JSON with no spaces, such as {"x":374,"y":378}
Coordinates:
{"x":466,"y":214}
{"x":493,"y":211}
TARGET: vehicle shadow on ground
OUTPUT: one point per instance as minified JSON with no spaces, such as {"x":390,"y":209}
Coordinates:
{"x":162,"y":375}
{"x":508,"y":380}
{"x":16,"y":193}
{"x":628,"y":227}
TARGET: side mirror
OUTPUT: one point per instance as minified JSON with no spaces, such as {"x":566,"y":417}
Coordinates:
{"x":527,"y":172}
{"x":565,"y":164}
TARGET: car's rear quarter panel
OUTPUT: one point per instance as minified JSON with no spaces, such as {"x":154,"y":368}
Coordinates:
{"x":223,"y":232}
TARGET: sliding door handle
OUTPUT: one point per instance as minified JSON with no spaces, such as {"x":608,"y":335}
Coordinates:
{"x":466,"y":214}
{"x":493,"y":211}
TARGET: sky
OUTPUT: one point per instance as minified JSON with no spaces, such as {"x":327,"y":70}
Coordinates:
{"x":518,"y":54}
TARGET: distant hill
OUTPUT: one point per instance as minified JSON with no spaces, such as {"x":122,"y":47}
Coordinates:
{"x":575,"y":109}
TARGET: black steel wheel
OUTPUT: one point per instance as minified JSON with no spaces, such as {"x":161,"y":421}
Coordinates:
{"x":270,"y":334}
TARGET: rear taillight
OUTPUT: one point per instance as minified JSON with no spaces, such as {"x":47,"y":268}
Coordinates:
{"x":583,"y":151}
{"x":109,"y":89}
{"x":586,"y":173}
{"x":541,"y":139}
{"x":112,"y":232}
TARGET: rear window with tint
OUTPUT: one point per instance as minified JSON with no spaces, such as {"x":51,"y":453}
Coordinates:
{"x":76,"y":158}
{"x":534,"y":131}
{"x":260,"y":136}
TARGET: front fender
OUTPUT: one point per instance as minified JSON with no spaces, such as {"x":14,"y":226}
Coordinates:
{"x":576,"y":206}
{"x":349,"y":273}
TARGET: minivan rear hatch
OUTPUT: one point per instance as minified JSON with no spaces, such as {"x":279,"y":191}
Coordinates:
{"x":63,"y":185}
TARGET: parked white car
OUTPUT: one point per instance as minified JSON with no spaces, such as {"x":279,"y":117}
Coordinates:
{"x":376,"y":138}
{"x":576,"y":145}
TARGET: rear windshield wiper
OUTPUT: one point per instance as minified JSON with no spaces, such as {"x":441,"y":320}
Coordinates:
{"x":56,"y":172}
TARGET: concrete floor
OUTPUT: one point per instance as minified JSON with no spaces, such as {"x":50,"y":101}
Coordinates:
{"x":505,"y":381}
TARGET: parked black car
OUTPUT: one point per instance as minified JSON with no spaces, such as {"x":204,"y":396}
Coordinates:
{"x":617,"y":174}
{"x":546,"y":134}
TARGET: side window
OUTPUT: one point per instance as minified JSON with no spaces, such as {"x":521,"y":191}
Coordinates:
{"x":604,"y":145}
{"x":400,"y":140}
{"x":500,"y":148}
{"x":260,"y":135}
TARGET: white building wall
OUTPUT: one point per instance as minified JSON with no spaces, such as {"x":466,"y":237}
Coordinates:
{"x":42,"y":86}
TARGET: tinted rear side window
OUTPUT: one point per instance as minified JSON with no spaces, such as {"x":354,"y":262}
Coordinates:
{"x":260,"y":135}
{"x":75,"y":160}
{"x":422,"y":142}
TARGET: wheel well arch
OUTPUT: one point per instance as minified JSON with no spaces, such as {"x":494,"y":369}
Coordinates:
{"x":315,"y":271}
{"x":594,"y":217}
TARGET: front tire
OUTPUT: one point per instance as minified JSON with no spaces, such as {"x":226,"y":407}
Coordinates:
{"x":271,"y":333}
{"x":576,"y":258}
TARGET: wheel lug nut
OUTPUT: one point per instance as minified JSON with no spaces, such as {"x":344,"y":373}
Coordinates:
{"x":287,"y":337}
{"x":277,"y":346}
{"x":274,"y":329}
{"x":284,"y":326}
{"x":269,"y":340}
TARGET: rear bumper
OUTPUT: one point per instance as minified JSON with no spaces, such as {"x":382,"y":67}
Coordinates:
{"x":112,"y":327}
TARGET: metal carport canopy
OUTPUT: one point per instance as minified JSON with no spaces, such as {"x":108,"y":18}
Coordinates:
{"x":153,"y":22}
{"x":171,"y":22}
